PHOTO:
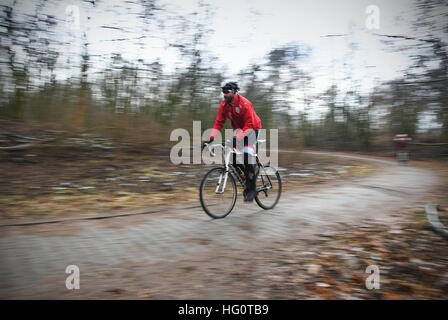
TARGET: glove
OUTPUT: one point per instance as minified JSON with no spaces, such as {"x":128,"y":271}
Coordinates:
{"x":208,"y":142}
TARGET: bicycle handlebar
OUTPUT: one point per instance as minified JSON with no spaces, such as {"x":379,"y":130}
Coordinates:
{"x":223,"y":145}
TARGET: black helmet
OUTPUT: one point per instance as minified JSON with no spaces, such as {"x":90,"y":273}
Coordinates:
{"x":231,"y":86}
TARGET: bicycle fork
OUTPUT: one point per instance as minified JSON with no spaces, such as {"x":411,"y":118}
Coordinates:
{"x":225,"y":174}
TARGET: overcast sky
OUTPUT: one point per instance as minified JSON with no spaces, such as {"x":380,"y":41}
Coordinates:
{"x":243,"y":32}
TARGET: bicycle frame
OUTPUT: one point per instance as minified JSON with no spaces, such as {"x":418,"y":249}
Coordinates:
{"x":229,"y":168}
{"x":262,"y":167}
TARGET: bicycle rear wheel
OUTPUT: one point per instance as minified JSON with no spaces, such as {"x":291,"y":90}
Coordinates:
{"x":269,"y":187}
{"x":215,"y":201}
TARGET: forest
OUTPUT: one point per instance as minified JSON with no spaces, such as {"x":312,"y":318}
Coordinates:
{"x":62,"y":84}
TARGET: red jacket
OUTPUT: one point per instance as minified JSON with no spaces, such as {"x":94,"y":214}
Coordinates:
{"x":241,"y":114}
{"x":402,"y":141}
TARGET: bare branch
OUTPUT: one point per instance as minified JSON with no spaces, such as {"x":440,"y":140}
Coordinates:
{"x":406,"y":38}
{"x":334,"y":35}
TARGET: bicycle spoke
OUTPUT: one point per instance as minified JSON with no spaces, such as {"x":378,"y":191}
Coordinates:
{"x":269,"y":188}
{"x":218,"y":193}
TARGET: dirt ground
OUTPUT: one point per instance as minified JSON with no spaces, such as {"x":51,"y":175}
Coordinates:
{"x":337,"y":217}
{"x":42,"y":184}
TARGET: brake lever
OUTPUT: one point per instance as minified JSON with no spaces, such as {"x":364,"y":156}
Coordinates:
{"x":207,"y":145}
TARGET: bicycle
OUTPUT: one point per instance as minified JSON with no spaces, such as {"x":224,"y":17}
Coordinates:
{"x":212,"y":191}
{"x":401,"y":147}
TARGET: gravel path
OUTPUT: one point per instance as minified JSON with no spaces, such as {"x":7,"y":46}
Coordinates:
{"x":127,"y":257}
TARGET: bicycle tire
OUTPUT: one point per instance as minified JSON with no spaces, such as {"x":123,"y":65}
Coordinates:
{"x":259,"y":195}
{"x":204,"y":205}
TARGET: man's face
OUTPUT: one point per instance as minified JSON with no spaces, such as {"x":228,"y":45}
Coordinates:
{"x":228,"y":95}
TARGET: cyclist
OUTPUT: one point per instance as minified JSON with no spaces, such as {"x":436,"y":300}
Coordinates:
{"x":401,"y":144}
{"x":243,"y":117}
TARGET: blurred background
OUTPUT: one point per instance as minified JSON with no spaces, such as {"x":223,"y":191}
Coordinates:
{"x":91,"y":90}
{"x":341,"y":75}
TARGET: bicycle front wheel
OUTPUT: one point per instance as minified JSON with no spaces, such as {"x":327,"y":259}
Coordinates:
{"x":218,"y":195}
{"x":269,"y":187}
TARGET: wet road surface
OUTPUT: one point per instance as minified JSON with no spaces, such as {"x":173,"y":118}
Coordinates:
{"x":107,"y":252}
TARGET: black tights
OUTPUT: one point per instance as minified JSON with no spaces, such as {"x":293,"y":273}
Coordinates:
{"x":248,"y":169}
